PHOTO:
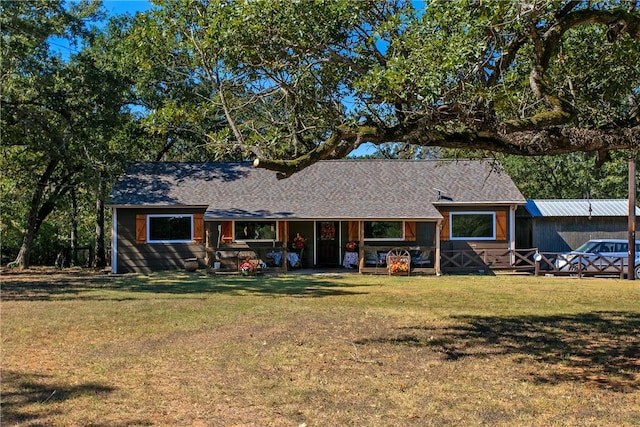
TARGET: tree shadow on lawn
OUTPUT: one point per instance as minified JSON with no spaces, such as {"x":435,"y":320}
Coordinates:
{"x":31,"y":398}
{"x":599,"y":348}
{"x":83,"y":287}
{"x":289,"y":285}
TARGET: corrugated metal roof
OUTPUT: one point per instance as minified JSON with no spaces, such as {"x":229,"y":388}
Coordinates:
{"x":579,"y":207}
{"x":376,"y":189}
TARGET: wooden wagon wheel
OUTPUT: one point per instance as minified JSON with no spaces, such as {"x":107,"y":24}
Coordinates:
{"x":398,"y":254}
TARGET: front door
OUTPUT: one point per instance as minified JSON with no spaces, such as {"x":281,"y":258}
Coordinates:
{"x":328,"y":245}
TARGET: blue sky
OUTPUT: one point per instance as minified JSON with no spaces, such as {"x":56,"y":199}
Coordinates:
{"x":121,"y":7}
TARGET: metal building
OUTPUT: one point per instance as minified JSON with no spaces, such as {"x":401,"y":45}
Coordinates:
{"x":559,"y":225}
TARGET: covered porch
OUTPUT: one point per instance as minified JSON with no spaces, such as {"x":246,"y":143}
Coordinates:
{"x":279,"y":246}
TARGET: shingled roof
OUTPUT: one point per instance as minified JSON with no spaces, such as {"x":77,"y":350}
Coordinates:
{"x":337,"y":189}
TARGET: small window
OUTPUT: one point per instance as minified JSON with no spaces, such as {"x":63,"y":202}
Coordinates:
{"x":383,"y":230}
{"x":473,"y":226}
{"x":255,"y":230}
{"x":169,"y":228}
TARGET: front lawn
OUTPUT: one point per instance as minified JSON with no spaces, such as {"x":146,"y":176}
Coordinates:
{"x":191,"y":349}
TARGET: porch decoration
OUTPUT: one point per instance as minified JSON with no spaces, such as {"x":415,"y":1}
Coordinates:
{"x":399,"y":267}
{"x":327,"y":231}
{"x":191,"y":264}
{"x":351,"y":246}
{"x":398,"y":262}
{"x":248,"y":268}
{"x":298,"y":241}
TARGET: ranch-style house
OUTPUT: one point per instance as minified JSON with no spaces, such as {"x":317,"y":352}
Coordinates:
{"x":341,"y":213}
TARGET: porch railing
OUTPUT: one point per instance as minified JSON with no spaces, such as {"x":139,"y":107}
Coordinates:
{"x":533,"y":261}
{"x":485,"y":260}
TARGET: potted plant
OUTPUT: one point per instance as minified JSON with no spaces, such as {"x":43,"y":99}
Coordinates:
{"x":298,"y":242}
{"x":399,"y":267}
{"x":247,"y":268}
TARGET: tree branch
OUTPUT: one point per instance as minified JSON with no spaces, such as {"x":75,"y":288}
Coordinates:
{"x":342,"y":142}
{"x":530,"y":143}
{"x":546,"y":46}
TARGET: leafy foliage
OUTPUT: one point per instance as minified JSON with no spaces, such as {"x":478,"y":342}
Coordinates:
{"x":568,"y":176}
{"x":59,"y":115}
{"x":291,"y":83}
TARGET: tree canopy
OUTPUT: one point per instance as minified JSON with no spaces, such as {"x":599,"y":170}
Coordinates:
{"x":297,"y":82}
{"x":61,"y":114}
{"x":289,"y":83}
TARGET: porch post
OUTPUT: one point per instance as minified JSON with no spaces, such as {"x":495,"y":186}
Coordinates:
{"x":207,"y":243}
{"x":632,"y":218}
{"x":512,"y":234}
{"x":315,"y":242}
{"x":436,"y":261}
{"x":285,"y":240}
{"x":360,"y":246}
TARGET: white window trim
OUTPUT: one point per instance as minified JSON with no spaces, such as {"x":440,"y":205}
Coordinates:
{"x":386,"y":239}
{"x":493,"y":218}
{"x":150,"y":216}
{"x":275,"y":239}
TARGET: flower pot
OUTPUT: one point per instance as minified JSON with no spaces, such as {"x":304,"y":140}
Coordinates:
{"x":351,"y":246}
{"x":191,"y":264}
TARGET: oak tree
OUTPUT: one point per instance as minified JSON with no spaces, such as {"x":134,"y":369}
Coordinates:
{"x":523,"y":78}
{"x":59,"y":111}
{"x":297,"y":82}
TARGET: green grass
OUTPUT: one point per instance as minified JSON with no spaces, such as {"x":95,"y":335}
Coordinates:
{"x":192,"y":349}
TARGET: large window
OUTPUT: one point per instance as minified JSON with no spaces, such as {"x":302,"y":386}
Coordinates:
{"x":255,"y":230}
{"x":384,"y":230}
{"x":473,"y":226}
{"x":169,"y":228}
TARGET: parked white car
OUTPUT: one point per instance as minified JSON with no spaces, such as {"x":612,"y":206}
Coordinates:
{"x":599,"y":255}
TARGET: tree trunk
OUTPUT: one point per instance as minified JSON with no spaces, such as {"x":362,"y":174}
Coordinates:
{"x":100,"y":260}
{"x":33,"y":221}
{"x":24,"y":255}
{"x":39,"y":209}
{"x":36,"y":218}
{"x":74,"y":228}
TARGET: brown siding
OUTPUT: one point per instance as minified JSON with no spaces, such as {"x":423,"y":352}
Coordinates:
{"x":138,"y":257}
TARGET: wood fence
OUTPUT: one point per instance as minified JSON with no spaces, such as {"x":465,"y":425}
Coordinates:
{"x":533,"y":261}
{"x":579,"y":265}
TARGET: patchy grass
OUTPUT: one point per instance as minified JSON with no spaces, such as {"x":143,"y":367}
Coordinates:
{"x":191,"y":349}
